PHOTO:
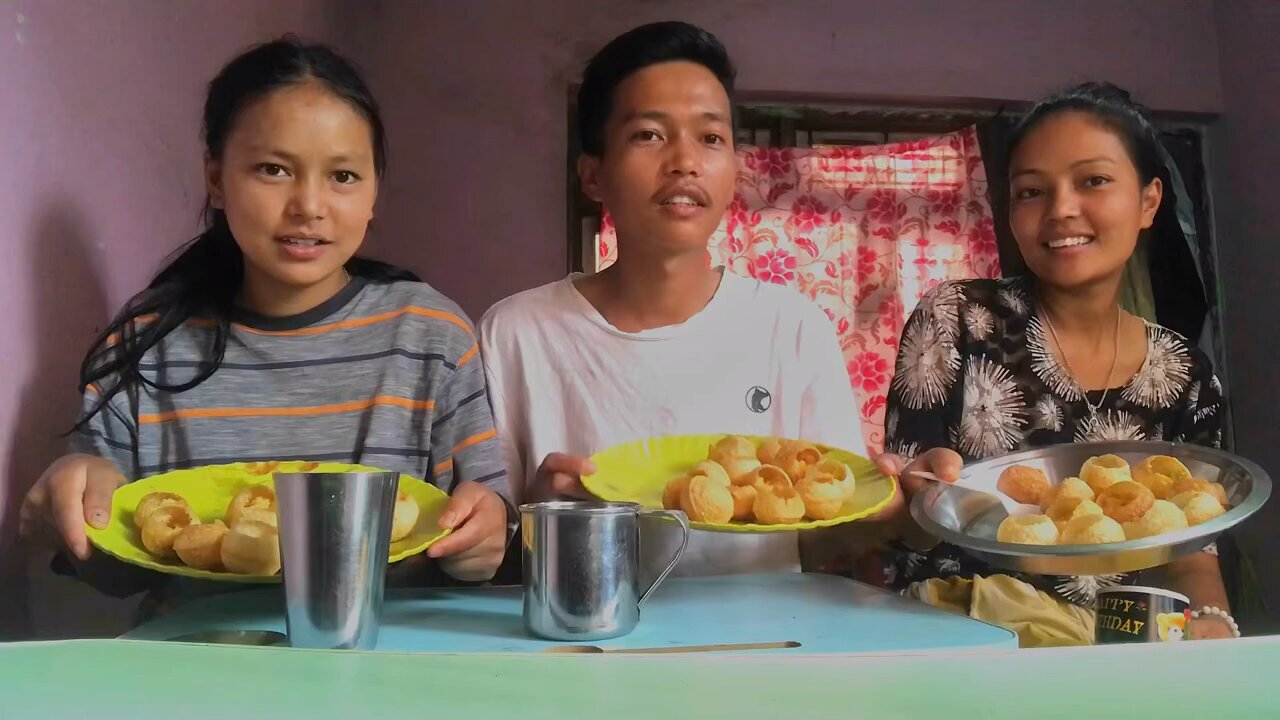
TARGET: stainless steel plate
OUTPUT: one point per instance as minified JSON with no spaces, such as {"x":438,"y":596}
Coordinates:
{"x":969,"y":519}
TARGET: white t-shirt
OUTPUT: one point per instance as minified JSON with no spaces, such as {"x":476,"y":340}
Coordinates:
{"x":759,"y":359}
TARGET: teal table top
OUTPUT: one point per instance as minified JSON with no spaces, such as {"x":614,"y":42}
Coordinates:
{"x":823,"y":613}
{"x":125,"y":680}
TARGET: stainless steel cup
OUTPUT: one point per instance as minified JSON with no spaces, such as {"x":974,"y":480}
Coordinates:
{"x":335,"y":536}
{"x":581,"y":567}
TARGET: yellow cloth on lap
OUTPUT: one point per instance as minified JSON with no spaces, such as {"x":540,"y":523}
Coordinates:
{"x":1039,"y":619}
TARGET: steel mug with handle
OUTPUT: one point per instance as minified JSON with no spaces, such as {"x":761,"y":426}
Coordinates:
{"x":581,"y":567}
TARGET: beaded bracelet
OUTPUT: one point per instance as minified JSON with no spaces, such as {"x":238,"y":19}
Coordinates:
{"x":1207,"y":611}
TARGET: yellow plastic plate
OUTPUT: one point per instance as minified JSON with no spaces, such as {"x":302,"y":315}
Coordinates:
{"x":210,"y":489}
{"x":638,"y":471}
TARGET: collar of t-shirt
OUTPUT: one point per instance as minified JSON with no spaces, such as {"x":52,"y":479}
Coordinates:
{"x":730,"y":288}
{"x":306,"y":318}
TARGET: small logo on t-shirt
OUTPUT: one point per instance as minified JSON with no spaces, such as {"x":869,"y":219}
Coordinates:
{"x":758,"y":399}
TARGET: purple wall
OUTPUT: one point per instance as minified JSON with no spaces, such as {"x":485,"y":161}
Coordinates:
{"x":101,"y":106}
{"x":98,"y":131}
{"x":1248,"y":149}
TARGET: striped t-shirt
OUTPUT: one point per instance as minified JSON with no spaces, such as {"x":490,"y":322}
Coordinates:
{"x":385,"y":375}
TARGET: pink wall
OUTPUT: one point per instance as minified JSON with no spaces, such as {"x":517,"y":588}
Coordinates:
{"x":1249,"y":245}
{"x":476,"y":94}
{"x":98,"y":131}
{"x":101,"y":106}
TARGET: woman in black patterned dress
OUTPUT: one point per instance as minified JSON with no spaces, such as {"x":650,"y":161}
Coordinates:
{"x":990,"y":367}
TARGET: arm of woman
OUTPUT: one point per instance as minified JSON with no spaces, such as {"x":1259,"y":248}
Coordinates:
{"x":77,"y":488}
{"x":921,"y":399}
{"x":467,"y":459}
{"x":1198,"y":576}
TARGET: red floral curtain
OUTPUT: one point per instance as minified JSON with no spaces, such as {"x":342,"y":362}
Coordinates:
{"x":864,"y":232}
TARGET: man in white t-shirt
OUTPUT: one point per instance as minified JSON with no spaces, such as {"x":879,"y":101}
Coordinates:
{"x":658,"y":343}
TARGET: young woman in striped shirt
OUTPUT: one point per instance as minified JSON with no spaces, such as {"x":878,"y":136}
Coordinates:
{"x":266,"y":338}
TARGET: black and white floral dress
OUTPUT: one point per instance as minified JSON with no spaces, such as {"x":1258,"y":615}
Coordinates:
{"x":976,"y":374}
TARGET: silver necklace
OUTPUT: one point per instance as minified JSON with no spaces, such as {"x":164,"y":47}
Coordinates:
{"x":1115,"y":356}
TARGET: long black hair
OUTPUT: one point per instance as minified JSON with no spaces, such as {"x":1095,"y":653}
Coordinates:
{"x":1115,"y":109}
{"x":203,"y":278}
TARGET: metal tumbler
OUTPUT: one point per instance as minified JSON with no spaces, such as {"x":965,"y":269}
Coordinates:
{"x":335,"y":536}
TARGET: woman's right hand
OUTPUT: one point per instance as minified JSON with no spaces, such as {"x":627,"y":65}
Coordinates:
{"x":942,"y":462}
{"x":76,"y":489}
{"x":560,"y":476}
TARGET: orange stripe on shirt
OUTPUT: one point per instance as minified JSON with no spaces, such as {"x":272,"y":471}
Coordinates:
{"x":334,"y":409}
{"x":473,"y":440}
{"x":468,"y":355}
{"x":138,"y":322}
{"x":362,"y":322}
{"x":322,"y":329}
{"x":445,"y":466}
